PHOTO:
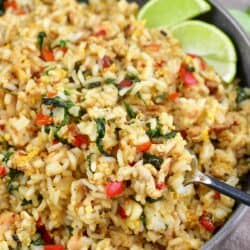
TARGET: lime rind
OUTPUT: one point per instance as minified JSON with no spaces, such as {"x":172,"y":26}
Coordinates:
{"x":166,"y":13}
{"x":209,"y":42}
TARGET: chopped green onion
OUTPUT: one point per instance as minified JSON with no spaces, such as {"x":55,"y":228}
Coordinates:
{"x":7,"y":156}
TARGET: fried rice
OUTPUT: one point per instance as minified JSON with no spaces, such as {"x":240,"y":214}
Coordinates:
{"x":99,"y":121}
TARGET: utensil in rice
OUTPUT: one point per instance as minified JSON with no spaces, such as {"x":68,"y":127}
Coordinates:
{"x":196,"y":176}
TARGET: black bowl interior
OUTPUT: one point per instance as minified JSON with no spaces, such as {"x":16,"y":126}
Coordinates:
{"x":222,"y":19}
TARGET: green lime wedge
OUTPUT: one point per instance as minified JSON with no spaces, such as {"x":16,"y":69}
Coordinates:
{"x":166,"y":13}
{"x":213,"y":45}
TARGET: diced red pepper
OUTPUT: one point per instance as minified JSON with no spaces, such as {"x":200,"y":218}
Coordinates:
{"x":44,"y":233}
{"x":10,"y":4}
{"x":47,"y":55}
{"x":55,"y":142}
{"x":106,"y":62}
{"x":3,"y":171}
{"x":51,"y":94}
{"x":101,"y":32}
{"x":125,"y":84}
{"x":114,"y":189}
{"x":187,"y":77}
{"x":143,"y":147}
{"x":80,"y":140}
{"x":2,"y":126}
{"x":122,"y":212}
{"x":173,"y":96}
{"x":207,"y":223}
{"x":202,"y":62}
{"x":20,"y":12}
{"x":161,"y":185}
{"x":53,"y":247}
{"x":42,"y":119}
{"x":217,"y":196}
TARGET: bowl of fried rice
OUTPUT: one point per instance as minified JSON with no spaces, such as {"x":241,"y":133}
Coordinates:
{"x":99,"y":118}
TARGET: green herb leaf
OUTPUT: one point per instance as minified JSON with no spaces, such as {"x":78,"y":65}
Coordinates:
{"x":12,"y":179}
{"x":57,"y":102}
{"x":37,"y":241}
{"x":156,"y":132}
{"x":93,"y":85}
{"x":242,"y":95}
{"x":40,"y":39}
{"x":63,"y":43}
{"x":25,"y":202}
{"x":89,"y":162}
{"x":110,"y":81}
{"x":100,"y":124}
{"x":7,"y":156}
{"x":170,"y":135}
{"x":132,"y":77}
{"x":131,"y":113}
{"x":153,"y":160}
{"x":151,"y":200}
{"x":47,"y":70}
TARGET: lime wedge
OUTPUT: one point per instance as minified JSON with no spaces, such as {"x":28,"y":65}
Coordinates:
{"x":162,"y":13}
{"x":207,"y":41}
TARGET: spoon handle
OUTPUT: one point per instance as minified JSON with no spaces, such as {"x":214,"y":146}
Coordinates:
{"x":224,"y":188}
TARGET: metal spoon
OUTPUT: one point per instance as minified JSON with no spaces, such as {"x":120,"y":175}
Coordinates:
{"x":196,"y":176}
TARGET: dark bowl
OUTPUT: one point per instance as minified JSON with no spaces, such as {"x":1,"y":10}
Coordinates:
{"x":222,"y":19}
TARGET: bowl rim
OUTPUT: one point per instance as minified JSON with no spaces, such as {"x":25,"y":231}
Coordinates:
{"x":240,"y":211}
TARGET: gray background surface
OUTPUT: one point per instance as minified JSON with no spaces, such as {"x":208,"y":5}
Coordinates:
{"x":240,"y":238}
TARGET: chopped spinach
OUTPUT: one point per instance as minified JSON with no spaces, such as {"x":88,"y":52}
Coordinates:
{"x":89,"y":162}
{"x":242,"y":95}
{"x":170,"y":135}
{"x":11,"y":179}
{"x":40,"y":39}
{"x":25,"y":202}
{"x":57,"y":102}
{"x":63,"y":43}
{"x":93,"y":85}
{"x":131,"y":113}
{"x":100,"y":124}
{"x":156,"y":132}
{"x":151,"y":200}
{"x":132,"y":77}
{"x":110,"y":81}
{"x":153,"y":160}
{"x":7,"y":156}
{"x":37,"y":241}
